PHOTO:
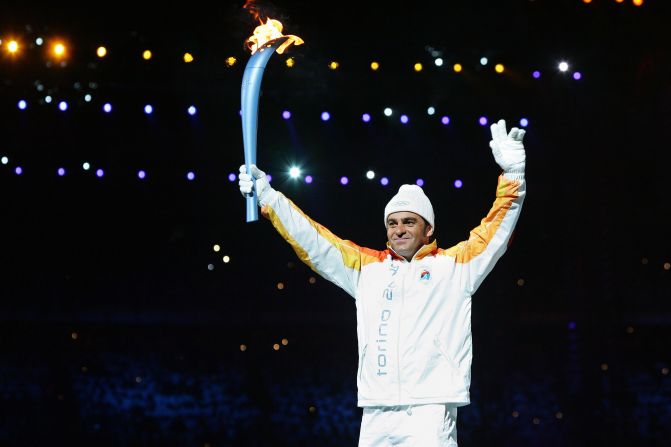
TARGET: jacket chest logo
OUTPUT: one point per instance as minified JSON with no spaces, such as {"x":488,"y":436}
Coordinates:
{"x":425,"y":275}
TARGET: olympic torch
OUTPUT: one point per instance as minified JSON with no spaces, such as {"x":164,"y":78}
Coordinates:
{"x":266,"y":40}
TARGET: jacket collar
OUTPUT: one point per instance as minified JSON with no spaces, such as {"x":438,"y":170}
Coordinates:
{"x":421,"y":253}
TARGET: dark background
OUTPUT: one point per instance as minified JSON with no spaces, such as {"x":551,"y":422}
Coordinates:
{"x":106,"y":280}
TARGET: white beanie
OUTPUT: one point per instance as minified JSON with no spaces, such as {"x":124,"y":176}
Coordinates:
{"x":410,"y":198}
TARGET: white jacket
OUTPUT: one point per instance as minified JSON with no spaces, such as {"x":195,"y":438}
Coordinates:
{"x":413,"y":318}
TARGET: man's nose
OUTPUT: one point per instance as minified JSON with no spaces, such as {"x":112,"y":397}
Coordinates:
{"x":400,"y":229}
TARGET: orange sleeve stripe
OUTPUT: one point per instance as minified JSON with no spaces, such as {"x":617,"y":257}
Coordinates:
{"x":268,"y":212}
{"x":353,"y":256}
{"x":463,"y":252}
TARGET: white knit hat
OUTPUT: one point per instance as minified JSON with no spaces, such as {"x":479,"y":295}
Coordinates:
{"x":410,"y":198}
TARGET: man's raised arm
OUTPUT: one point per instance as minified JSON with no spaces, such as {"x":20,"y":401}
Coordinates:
{"x":335,"y":259}
{"x":489,"y":240}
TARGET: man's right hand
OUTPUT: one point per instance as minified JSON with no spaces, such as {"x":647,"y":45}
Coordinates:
{"x":246,"y":182}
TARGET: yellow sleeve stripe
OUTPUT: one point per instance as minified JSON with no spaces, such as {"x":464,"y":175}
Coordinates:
{"x":353,"y":256}
{"x":268,"y":212}
{"x":463,"y":252}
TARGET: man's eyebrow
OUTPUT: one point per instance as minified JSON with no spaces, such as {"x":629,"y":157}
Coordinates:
{"x":409,"y":219}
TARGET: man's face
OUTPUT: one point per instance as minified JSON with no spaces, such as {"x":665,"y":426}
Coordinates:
{"x":407,"y":233}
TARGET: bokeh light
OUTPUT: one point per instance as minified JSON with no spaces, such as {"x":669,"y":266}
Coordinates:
{"x":384,"y":181}
{"x":18,"y":170}
{"x":231,"y":177}
{"x":577,"y":75}
{"x":100,"y":173}
{"x":563,"y":66}
{"x":484,"y":61}
{"x":63,"y":106}
{"x":524,"y":122}
{"x":445,"y":120}
{"x":325,"y":116}
{"x":188,"y":58}
{"x":61,"y":172}
{"x":286,"y":114}
{"x":483,"y":120}
{"x":191,"y":110}
{"x":457,"y":68}
{"x":190,"y":175}
{"x":146,"y":55}
{"x":370,"y":175}
{"x":101,"y":51}
{"x":308,"y":179}
{"x":107,"y":107}
{"x":458,"y":183}
{"x":374,"y":65}
{"x":438,"y":61}
{"x":365,"y":118}
{"x":418,"y":67}
{"x":536,"y":74}
{"x":499,"y":68}
{"x":141,"y":174}
{"x":419,"y":182}
{"x":148,"y":109}
{"x":388,"y":111}
{"x":294,"y":172}
{"x":404,"y":119}
{"x":22,"y":104}
{"x":344,"y":180}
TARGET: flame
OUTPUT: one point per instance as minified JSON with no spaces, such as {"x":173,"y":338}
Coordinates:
{"x":268,"y":31}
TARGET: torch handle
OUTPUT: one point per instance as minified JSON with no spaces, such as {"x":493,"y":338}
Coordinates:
{"x":249,"y":100}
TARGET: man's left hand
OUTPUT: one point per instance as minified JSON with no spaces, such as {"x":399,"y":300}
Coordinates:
{"x":507,"y":148}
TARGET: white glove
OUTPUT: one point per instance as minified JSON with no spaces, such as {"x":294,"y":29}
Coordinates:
{"x":508,"y":149}
{"x":247,"y":181}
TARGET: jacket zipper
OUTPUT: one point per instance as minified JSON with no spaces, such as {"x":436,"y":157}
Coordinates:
{"x":398,"y":334}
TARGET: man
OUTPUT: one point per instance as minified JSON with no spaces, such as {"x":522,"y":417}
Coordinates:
{"x":413,"y":299}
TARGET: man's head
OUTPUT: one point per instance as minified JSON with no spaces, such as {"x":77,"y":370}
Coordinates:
{"x":409,"y":220}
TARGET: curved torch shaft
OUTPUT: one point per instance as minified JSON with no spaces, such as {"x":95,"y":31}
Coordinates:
{"x":251,"y":86}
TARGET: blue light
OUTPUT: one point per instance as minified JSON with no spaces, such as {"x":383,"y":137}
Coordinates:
{"x":141,"y":174}
{"x":344,"y":180}
{"x":192,"y":110}
{"x":483,"y":120}
{"x":524,"y":122}
{"x":100,"y":173}
{"x":536,"y":74}
{"x":23,"y":104}
{"x":384,"y":181}
{"x":577,"y":76}
{"x":107,"y":108}
{"x":231,"y":177}
{"x":458,"y":183}
{"x":308,"y":179}
{"x":148,"y":109}
{"x":326,"y":116}
{"x":269,"y":178}
{"x":18,"y":170}
{"x":419,"y":182}
{"x":286,"y":114}
{"x":190,"y":175}
{"x":61,"y":172}
{"x":366,"y":118}
{"x":445,"y":120}
{"x":63,"y":106}
{"x":404,"y":119}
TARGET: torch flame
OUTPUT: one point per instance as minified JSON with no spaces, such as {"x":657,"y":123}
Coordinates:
{"x":268,"y":31}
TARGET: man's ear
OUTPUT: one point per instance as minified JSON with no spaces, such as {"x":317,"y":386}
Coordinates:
{"x":429,"y":231}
